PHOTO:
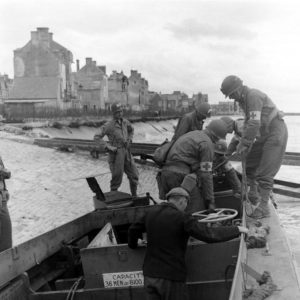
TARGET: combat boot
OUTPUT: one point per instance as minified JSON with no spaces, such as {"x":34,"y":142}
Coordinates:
{"x":253,"y":194}
{"x":262,"y":210}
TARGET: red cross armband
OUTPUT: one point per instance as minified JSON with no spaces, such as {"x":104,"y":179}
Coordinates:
{"x":206,"y":166}
{"x":254,"y":115}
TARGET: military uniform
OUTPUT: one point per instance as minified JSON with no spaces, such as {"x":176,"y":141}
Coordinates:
{"x":265,"y":133}
{"x":120,"y":135}
{"x":5,"y":222}
{"x":191,"y":153}
{"x":187,"y":123}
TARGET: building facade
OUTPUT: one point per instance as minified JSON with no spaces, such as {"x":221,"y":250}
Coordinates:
{"x":91,"y":84}
{"x":131,"y":92}
{"x":42,"y":74}
{"x":5,"y":87}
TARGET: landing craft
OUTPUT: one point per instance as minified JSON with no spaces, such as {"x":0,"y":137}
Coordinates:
{"x":88,"y":258}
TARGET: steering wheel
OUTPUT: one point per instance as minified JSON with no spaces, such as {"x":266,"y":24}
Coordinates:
{"x":220,"y":214}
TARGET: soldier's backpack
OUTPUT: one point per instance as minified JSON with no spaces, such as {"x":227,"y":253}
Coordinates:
{"x":160,"y":154}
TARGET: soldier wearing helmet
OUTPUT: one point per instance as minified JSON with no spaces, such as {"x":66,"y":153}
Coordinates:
{"x":193,"y":120}
{"x":222,"y":167}
{"x":193,"y":153}
{"x":120,"y":134}
{"x":263,"y":140}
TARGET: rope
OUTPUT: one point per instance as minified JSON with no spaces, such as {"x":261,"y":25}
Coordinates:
{"x":73,"y":289}
{"x":245,"y":199}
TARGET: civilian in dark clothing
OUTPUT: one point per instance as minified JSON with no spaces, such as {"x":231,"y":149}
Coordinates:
{"x":168,"y":228}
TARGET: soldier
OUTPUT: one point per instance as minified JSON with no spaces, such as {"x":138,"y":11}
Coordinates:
{"x":168,"y":229}
{"x":193,"y":153}
{"x":221,"y":166}
{"x":120,"y":134}
{"x":193,"y":120}
{"x":5,"y":222}
{"x":263,"y":141}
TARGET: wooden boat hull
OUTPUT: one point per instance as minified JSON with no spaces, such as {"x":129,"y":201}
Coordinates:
{"x":51,"y":257}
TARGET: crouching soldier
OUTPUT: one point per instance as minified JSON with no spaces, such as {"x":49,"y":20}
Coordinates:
{"x":120,"y":134}
{"x":221,"y":165}
{"x":5,"y":222}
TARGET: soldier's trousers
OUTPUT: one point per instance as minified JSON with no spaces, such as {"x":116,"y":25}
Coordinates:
{"x":170,"y":180}
{"x":120,"y":162}
{"x":265,"y":158}
{"x":5,"y":229}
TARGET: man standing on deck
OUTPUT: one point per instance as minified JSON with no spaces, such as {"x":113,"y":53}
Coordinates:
{"x":193,"y":153}
{"x":193,"y":120}
{"x":264,"y":138}
{"x":168,"y":229}
{"x":5,"y":222}
{"x":120,"y":134}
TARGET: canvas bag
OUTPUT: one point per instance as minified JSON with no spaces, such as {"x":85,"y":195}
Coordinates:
{"x":160,"y":154}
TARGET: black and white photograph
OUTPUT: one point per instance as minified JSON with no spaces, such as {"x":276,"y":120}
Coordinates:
{"x":149,"y":150}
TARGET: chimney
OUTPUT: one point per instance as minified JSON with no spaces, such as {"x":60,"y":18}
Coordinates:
{"x":88,"y":61}
{"x":94,"y":63}
{"x":77,"y":65}
{"x":41,"y":36}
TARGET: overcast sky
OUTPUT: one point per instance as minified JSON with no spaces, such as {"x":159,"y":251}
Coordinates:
{"x":176,"y":45}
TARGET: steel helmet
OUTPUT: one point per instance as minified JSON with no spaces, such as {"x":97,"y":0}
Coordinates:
{"x":221,"y":147}
{"x":116,"y":107}
{"x":229,"y":123}
{"x":204,"y":109}
{"x":218,"y":128}
{"x":230,"y":84}
{"x":178,"y":191}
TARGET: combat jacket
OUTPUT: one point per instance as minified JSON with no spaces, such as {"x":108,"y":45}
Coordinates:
{"x":195,"y":149}
{"x":119,"y":132}
{"x":259,"y":112}
{"x":187,"y":123}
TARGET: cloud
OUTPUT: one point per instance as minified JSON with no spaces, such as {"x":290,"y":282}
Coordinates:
{"x":193,"y":29}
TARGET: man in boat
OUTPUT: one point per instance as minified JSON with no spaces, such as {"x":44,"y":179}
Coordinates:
{"x":193,"y":120}
{"x":168,"y":228}
{"x":193,"y":153}
{"x":5,"y":222}
{"x":222,"y":166}
{"x":120,"y":134}
{"x":263,"y":141}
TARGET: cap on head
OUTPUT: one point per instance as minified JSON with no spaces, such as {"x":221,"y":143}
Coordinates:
{"x":116,"y":107}
{"x":221,"y":147}
{"x":229,"y":123}
{"x":218,"y":128}
{"x":178,"y":191}
{"x":204,"y":109}
{"x":230,"y":84}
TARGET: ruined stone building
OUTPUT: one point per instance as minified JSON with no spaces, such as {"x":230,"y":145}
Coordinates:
{"x":5,"y":87}
{"x":91,"y":84}
{"x":137,"y":90}
{"x":42,"y":74}
{"x":117,"y":89}
{"x":175,"y":101}
{"x":130,"y":91}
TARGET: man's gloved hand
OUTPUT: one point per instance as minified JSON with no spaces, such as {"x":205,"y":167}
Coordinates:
{"x":242,"y":149}
{"x":111,"y":149}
